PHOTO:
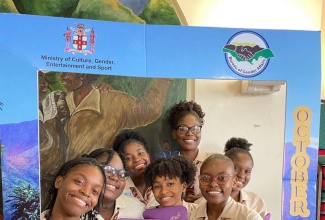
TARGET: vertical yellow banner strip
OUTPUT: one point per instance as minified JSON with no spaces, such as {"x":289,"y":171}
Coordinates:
{"x":300,"y":162}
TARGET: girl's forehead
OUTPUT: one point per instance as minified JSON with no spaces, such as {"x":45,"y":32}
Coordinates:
{"x":116,"y":162}
{"x":79,"y":167}
{"x":134,"y":146}
{"x":189,"y":117}
{"x":241,"y":156}
{"x":166,"y":177}
{"x":102,"y":159}
{"x":216,"y":165}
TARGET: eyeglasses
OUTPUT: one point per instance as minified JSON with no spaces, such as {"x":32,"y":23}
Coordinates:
{"x":123,"y":175}
{"x":196,"y":129}
{"x":220,"y":179}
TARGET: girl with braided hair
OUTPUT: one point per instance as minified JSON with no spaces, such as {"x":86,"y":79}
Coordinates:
{"x":237,"y":149}
{"x":76,"y":190}
{"x":133,"y":149}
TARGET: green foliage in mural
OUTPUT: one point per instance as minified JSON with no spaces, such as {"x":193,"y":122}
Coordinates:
{"x":63,"y":8}
{"x":24,"y":200}
{"x":109,"y":10}
{"x":7,"y":6}
{"x":156,"y":12}
{"x":160,"y":12}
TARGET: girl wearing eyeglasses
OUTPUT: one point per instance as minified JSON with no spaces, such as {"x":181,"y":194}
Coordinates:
{"x":114,"y":204}
{"x":133,"y":149}
{"x":216,"y":183}
{"x":237,"y":149}
{"x":169,"y":178}
{"x":186,"y":121}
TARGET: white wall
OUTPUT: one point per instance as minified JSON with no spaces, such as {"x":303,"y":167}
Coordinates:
{"x":259,"y":119}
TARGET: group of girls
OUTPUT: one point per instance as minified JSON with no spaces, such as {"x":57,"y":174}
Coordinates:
{"x":123,"y":182}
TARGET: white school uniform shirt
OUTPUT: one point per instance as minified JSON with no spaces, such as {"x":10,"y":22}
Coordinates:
{"x":232,"y":211}
{"x":201,"y":156}
{"x":43,"y":215}
{"x":253,"y":201}
{"x":250,"y":199}
{"x":190,"y":206}
{"x":126,"y":207}
{"x":148,"y":199}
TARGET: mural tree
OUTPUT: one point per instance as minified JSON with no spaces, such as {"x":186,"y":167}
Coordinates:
{"x":24,"y":200}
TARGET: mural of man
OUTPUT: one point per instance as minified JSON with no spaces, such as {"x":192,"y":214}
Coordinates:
{"x":97,"y":116}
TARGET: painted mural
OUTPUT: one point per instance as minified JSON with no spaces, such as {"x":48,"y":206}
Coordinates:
{"x":135,"y":11}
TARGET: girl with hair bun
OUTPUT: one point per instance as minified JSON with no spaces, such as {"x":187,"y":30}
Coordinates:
{"x":237,"y":149}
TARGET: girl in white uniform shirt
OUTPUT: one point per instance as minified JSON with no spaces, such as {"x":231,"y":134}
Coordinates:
{"x":169,"y":178}
{"x":186,"y":121}
{"x":216,"y":183}
{"x":115,"y":205}
{"x":133,"y":149}
{"x":237,"y":149}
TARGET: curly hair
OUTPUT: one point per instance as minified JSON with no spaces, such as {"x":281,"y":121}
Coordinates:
{"x":64,"y":170}
{"x":235,"y":146}
{"x":183,"y":108}
{"x":126,"y":137}
{"x":177,"y":166}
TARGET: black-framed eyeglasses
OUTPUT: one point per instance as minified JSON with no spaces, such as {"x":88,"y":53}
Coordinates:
{"x":196,"y":129}
{"x":220,"y":179}
{"x":123,"y":175}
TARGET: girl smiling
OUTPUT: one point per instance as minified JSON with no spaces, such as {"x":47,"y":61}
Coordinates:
{"x":76,"y":190}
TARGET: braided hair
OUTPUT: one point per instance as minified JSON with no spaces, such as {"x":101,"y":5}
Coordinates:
{"x":64,"y":170}
{"x":100,"y":152}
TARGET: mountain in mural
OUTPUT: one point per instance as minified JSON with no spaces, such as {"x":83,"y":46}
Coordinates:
{"x":23,"y":166}
{"x":19,"y":156}
{"x":20,"y":153}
